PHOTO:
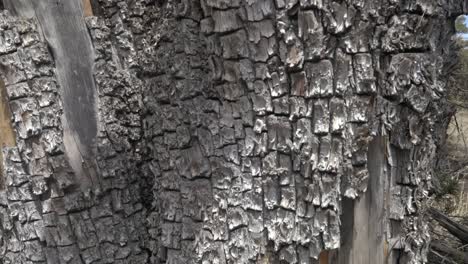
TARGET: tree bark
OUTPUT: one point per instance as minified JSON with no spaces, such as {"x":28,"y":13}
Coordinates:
{"x":221,"y":131}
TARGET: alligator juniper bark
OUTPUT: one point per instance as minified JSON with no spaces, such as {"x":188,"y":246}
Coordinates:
{"x":221,"y":131}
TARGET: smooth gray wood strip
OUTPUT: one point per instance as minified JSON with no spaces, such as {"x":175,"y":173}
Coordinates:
{"x":64,"y":29}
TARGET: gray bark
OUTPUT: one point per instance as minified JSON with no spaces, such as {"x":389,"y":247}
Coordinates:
{"x":216,"y":131}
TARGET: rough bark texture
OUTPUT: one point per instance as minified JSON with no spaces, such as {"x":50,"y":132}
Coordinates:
{"x":221,"y":131}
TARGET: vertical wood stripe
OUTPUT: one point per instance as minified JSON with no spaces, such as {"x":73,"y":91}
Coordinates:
{"x":386,"y":250}
{"x":7,"y":135}
{"x":87,"y":8}
{"x":323,"y":257}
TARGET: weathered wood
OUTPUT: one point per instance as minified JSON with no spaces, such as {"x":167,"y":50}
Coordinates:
{"x":458,"y":230}
{"x":7,"y":135}
{"x":453,"y":254}
{"x":87,"y":8}
{"x":66,"y":35}
{"x":324,"y":257}
{"x":364,"y":239}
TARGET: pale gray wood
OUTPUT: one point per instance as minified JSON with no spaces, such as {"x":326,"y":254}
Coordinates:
{"x":63,"y":27}
{"x":364,"y":220}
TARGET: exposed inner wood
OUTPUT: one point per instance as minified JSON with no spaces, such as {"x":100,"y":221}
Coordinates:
{"x":87,"y":8}
{"x":7,"y":135}
{"x":363,"y":220}
{"x":324,"y":257}
{"x":69,"y":42}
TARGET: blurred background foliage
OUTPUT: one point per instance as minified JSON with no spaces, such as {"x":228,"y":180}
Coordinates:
{"x":451,"y":175}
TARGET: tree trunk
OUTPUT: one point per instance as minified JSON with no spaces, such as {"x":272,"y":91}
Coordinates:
{"x":220,"y":131}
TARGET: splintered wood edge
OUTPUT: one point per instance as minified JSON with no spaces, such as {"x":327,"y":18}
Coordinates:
{"x":7,"y":135}
{"x":87,"y":8}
